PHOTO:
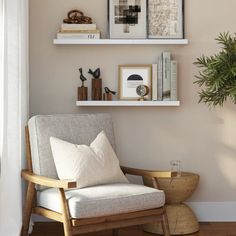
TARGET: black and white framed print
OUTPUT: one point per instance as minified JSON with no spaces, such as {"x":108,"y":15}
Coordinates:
{"x":127,"y":19}
{"x":132,"y":76}
{"x":166,"y":19}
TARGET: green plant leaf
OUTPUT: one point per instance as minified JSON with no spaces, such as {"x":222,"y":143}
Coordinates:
{"x":217,"y":75}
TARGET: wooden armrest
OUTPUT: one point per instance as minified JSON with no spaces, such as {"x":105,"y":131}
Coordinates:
{"x":146,"y":173}
{"x":48,"y":182}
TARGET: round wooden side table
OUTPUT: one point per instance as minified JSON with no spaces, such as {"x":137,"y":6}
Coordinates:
{"x":182,"y":219}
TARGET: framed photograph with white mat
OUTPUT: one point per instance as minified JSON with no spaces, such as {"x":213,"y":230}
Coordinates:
{"x":165,"y":19}
{"x":130,"y":77}
{"x":127,"y":19}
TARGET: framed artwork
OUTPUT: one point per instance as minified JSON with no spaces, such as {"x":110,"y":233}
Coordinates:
{"x":127,"y":19}
{"x":166,"y":19}
{"x":130,"y":77}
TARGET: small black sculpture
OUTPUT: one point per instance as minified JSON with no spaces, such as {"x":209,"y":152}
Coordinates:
{"x":107,"y":96}
{"x":82,"y":76}
{"x":77,"y":17}
{"x":82,"y":91}
{"x":96,"y":74}
{"x":107,"y":91}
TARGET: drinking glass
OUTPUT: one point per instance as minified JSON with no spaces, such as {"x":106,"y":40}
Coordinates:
{"x":175,"y":167}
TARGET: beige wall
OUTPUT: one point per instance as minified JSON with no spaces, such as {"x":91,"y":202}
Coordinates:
{"x":204,"y":140}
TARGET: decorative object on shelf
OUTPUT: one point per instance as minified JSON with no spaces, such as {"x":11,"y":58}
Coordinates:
{"x":96,"y":74}
{"x":78,"y":26}
{"x":218,"y":73}
{"x":142,"y":91}
{"x":166,"y":19}
{"x":82,"y":91}
{"x":77,"y":17}
{"x":127,"y":19}
{"x":130,"y":77}
{"x":96,"y":84}
{"x":82,"y":77}
{"x":107,"y":96}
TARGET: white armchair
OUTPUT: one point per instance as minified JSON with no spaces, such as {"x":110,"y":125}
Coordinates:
{"x":88,"y":209}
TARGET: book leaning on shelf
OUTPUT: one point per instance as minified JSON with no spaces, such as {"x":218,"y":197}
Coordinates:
{"x":165,"y":78}
{"x":160,"y":78}
{"x":154,"y":82}
{"x":173,"y":82}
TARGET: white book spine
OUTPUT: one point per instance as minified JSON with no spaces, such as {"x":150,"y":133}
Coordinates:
{"x":78,"y":27}
{"x":77,"y":36}
{"x":154,"y":82}
{"x":166,"y":76}
{"x":174,"y":81}
{"x":160,"y":78}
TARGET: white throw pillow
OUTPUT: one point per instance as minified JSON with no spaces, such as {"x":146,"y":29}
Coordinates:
{"x":89,"y":165}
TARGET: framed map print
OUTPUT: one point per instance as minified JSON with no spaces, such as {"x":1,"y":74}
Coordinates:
{"x":127,"y":19}
{"x":166,"y":19}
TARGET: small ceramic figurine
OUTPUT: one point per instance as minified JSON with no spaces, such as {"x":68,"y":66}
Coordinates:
{"x":82,"y":76}
{"x":108,"y":94}
{"x":82,"y":91}
{"x":96,"y":74}
{"x":96,"y":84}
{"x":107,"y":90}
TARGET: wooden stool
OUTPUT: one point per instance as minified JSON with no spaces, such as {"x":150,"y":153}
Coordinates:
{"x":182,"y":219}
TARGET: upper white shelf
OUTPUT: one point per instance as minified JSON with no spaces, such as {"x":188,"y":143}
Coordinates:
{"x":122,"y":41}
{"x":121,"y":103}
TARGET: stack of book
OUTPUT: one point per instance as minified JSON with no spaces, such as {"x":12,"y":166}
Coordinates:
{"x":79,"y":31}
{"x":164,"y":79}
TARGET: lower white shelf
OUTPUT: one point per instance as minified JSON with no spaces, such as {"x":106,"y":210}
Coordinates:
{"x":128,"y":103}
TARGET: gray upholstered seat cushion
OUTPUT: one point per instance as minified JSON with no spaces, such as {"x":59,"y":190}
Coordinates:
{"x":104,"y":200}
{"x":79,"y":129}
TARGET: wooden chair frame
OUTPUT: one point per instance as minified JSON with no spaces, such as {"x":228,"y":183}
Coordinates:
{"x":77,"y":226}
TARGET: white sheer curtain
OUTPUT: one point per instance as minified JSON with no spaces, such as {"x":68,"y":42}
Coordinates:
{"x":1,"y":74}
{"x":14,"y":75}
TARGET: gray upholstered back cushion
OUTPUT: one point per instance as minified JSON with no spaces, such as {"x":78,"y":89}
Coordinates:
{"x":78,"y":129}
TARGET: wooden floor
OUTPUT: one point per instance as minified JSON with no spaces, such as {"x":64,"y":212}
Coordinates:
{"x":206,"y":229}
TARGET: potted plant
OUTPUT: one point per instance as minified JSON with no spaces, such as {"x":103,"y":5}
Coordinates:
{"x":218,"y":73}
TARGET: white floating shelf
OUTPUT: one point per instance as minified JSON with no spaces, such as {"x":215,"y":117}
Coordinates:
{"x":128,"y":103}
{"x":122,"y":41}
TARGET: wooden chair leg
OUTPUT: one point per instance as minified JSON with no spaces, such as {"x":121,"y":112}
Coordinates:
{"x":165,"y":224}
{"x":65,"y":213}
{"x":30,"y":197}
{"x":115,"y":232}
